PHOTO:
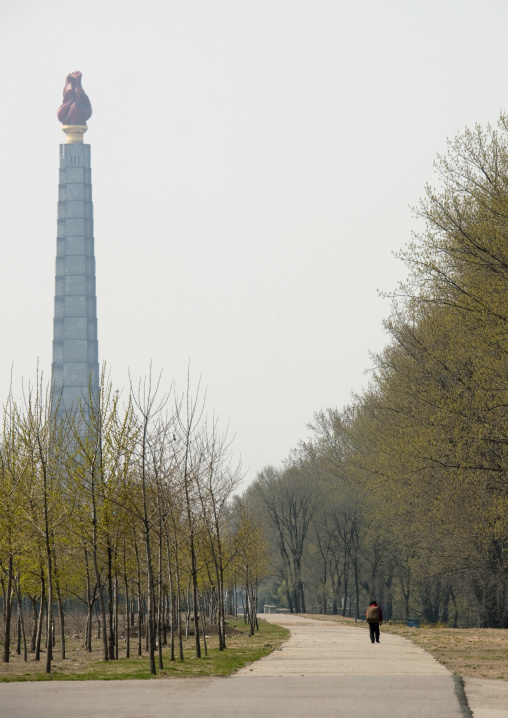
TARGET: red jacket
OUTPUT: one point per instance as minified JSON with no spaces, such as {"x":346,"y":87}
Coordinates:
{"x":380,"y":612}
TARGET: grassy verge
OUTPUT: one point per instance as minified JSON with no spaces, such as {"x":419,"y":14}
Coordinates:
{"x":470,"y":652}
{"x":81,"y":665}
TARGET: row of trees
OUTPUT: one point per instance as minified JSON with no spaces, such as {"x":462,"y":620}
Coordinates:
{"x":123,"y":507}
{"x":404,"y":494}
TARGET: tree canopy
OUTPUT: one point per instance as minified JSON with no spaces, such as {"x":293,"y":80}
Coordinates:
{"x":411,"y":479}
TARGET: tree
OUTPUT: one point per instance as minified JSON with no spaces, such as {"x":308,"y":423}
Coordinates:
{"x":435,"y":419}
{"x":14,"y":467}
{"x":46,"y":442}
{"x":290,"y":500}
{"x":149,"y":406}
{"x":215,"y":486}
{"x":189,"y":458}
{"x":251,"y":557}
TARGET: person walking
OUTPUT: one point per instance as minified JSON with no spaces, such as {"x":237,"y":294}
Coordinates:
{"x":374,"y":617}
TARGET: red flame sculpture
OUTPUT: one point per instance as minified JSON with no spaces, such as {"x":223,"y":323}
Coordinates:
{"x":76,"y":108}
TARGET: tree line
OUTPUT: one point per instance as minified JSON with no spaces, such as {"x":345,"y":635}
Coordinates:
{"x":125,"y":508}
{"x":403,"y":495}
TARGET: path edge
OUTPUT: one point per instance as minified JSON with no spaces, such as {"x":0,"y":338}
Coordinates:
{"x":460,"y":692}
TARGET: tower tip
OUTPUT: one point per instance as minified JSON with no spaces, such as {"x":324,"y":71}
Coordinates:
{"x":75,"y":109}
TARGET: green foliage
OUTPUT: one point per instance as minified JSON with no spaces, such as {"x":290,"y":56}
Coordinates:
{"x":414,"y":506}
{"x":118,"y":505}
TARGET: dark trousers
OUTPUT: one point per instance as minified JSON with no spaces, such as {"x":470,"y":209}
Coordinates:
{"x":374,"y":632}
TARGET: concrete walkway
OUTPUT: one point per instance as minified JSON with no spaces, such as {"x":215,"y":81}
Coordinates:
{"x":325,"y":669}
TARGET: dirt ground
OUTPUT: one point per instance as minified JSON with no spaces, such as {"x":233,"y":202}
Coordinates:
{"x":77,"y":658}
{"x":79,"y":663}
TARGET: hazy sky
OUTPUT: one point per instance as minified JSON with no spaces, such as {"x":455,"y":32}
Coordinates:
{"x":253,"y":166}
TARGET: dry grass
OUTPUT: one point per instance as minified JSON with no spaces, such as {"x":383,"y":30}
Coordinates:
{"x":471,"y":652}
{"x":81,"y":665}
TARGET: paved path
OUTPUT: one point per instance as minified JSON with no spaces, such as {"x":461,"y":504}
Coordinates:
{"x":325,"y":670}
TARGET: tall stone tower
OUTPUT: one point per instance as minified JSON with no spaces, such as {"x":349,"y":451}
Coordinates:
{"x":75,"y":367}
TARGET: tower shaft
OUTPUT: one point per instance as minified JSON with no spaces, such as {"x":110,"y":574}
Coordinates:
{"x":75,"y":367}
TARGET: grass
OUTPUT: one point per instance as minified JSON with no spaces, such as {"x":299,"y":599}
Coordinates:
{"x":81,"y":665}
{"x":468,"y":652}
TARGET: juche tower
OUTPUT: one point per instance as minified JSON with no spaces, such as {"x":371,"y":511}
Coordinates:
{"x":75,"y":369}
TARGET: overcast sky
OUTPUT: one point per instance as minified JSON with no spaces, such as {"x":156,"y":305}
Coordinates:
{"x":253,"y":166}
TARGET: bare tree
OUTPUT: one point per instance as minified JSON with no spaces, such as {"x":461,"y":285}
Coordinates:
{"x":46,"y":438}
{"x":189,"y":461}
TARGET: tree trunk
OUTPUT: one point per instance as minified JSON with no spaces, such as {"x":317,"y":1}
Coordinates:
{"x":49,"y":651}
{"x":127,"y":614}
{"x":115,"y":622}
{"x":8,"y":611}
{"x":60,"y":611}
{"x":150,"y":606}
{"x":140,"y":610}
{"x":105,"y":653}
{"x":90,"y":600}
{"x":289,"y":601}
{"x":204,"y":637}
{"x":160,"y":617}
{"x":33,"y":601}
{"x":172,"y":595}
{"x":179,"y":612}
{"x":21,"y":617}
{"x":194,"y":575}
{"x":40,"y":620}
{"x":111,"y":602}
{"x":357,"y":589}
